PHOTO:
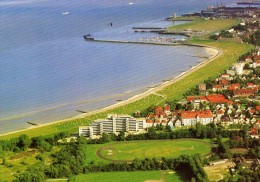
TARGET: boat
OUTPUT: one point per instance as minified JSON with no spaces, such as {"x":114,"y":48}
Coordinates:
{"x":131,"y":3}
{"x":88,"y":37}
{"x":65,"y":13}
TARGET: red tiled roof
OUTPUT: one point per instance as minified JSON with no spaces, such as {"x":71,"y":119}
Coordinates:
{"x":256,"y":57}
{"x":192,"y":98}
{"x":205,"y":114}
{"x":254,"y":131}
{"x":248,"y":57}
{"x":188,"y":114}
{"x":252,"y":111}
{"x":234,"y":86}
{"x":164,"y":121}
{"x":217,"y":86}
{"x":220,"y":112}
{"x":157,"y":121}
{"x":244,"y":91}
{"x":230,"y":102}
{"x":223,"y":82}
{"x":150,"y":115}
{"x":257,"y":108}
{"x":250,"y":85}
{"x":217,"y":98}
{"x":158,"y":108}
{"x":167,"y":108}
{"x":149,"y":121}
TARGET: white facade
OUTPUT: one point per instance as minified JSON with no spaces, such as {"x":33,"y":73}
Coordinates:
{"x":113,"y":124}
{"x":205,"y":121}
{"x":239,"y":68}
{"x":189,"y":121}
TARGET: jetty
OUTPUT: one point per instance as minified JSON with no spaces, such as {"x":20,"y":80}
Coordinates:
{"x":31,"y":123}
{"x":150,"y":42}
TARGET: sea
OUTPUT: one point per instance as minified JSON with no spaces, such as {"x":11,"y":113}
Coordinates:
{"x":48,"y":71}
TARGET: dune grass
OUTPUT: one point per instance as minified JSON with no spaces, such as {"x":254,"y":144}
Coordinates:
{"x":206,"y":25}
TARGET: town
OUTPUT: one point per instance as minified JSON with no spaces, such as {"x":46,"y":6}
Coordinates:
{"x":201,"y":126}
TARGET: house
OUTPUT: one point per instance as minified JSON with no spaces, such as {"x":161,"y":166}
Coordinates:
{"x":205,"y":117}
{"x":177,"y":123}
{"x":219,"y":114}
{"x":167,"y":110}
{"x":239,"y":68}
{"x":170,"y":123}
{"x":196,"y":100}
{"x":164,"y":122}
{"x":244,"y":92}
{"x":217,"y":88}
{"x":217,"y":98}
{"x":239,"y":118}
{"x":158,"y":110}
{"x":225,"y":76}
{"x":202,"y":87}
{"x":257,"y":109}
{"x":149,"y":123}
{"x":225,"y":120}
{"x":254,"y":131}
{"x":200,"y":98}
{"x":189,"y":118}
{"x":223,"y":82}
{"x":234,"y":86}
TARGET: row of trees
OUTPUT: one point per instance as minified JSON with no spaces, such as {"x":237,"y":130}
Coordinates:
{"x":23,"y":142}
{"x":68,"y":161}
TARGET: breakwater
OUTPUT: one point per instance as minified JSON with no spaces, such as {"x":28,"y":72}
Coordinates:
{"x":137,"y":42}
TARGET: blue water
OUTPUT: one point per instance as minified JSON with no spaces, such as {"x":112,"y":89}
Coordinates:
{"x":47,"y":70}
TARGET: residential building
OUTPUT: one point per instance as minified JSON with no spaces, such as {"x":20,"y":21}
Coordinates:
{"x":113,"y":124}
{"x":217,"y":98}
{"x":244,"y":92}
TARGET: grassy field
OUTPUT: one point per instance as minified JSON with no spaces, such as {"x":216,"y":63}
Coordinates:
{"x":205,"y":25}
{"x":16,"y":162}
{"x":125,"y":151}
{"x":218,"y":171}
{"x":139,"y":176}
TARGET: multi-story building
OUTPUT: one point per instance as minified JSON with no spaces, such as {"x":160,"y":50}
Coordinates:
{"x":113,"y":124}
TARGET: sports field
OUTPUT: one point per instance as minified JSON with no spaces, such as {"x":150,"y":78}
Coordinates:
{"x":129,"y":150}
{"x":139,"y":176}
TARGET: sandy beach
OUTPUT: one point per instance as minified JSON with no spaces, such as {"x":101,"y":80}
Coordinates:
{"x":210,"y":51}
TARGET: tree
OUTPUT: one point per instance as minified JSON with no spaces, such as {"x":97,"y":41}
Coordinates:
{"x":23,"y":142}
{"x":121,"y":136}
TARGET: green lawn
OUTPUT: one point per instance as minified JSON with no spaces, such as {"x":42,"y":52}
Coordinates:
{"x":139,"y":176}
{"x":130,"y":150}
{"x":206,"y":25}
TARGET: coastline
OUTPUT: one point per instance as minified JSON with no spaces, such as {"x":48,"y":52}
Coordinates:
{"x":215,"y":52}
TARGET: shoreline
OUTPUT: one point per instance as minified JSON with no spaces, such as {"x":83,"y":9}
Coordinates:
{"x":212,"y":50}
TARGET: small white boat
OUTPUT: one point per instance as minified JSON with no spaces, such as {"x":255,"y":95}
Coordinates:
{"x":131,"y":3}
{"x":65,"y":13}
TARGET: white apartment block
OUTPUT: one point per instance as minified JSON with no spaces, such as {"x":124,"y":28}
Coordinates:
{"x":113,"y":124}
